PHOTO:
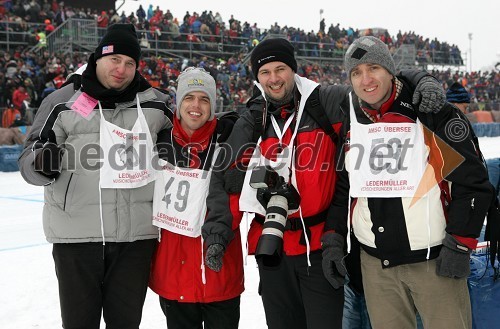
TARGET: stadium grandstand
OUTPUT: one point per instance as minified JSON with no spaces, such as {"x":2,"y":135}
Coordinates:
{"x":42,"y":41}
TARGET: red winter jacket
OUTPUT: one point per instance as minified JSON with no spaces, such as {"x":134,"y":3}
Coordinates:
{"x":315,"y":155}
{"x":176,"y":267}
{"x":18,"y":96}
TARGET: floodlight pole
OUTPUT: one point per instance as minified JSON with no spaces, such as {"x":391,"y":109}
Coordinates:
{"x":470,"y":52}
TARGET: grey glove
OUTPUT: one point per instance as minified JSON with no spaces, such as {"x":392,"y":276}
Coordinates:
{"x":333,"y":259}
{"x":213,"y":257}
{"x":429,"y":95}
{"x":453,"y":260}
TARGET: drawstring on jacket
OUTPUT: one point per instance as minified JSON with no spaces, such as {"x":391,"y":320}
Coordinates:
{"x":100,"y":203}
{"x":202,"y":267}
{"x":308,"y":246}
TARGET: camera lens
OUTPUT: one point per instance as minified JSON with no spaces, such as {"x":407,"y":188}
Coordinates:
{"x":271,"y":241}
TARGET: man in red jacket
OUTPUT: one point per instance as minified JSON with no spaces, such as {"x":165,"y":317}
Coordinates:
{"x":190,"y":293}
{"x":18,"y":96}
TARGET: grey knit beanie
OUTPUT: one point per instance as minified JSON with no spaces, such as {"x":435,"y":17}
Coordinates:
{"x":196,"y":79}
{"x":368,"y":50}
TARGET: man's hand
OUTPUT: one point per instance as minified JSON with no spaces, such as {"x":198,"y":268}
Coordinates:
{"x":429,"y":95}
{"x":233,"y":180}
{"x":48,"y":161}
{"x":453,"y":259}
{"x":333,"y":258}
{"x":213,"y":257}
{"x":225,"y":124}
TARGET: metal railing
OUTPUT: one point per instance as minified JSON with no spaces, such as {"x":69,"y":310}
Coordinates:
{"x":405,"y":57}
{"x":72,"y":35}
{"x":15,"y":34}
{"x":190,"y":45}
{"x":83,"y":35}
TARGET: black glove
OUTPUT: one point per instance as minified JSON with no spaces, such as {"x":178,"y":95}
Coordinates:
{"x":429,"y":95}
{"x":233,"y":180}
{"x":48,"y":161}
{"x":453,"y":259}
{"x":213,"y":257}
{"x":225,"y":126}
{"x":333,"y":259}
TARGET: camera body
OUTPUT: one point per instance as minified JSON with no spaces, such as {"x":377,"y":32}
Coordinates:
{"x":269,"y":183}
{"x":277,"y":197}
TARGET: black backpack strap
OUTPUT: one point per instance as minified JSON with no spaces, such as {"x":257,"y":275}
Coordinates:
{"x":258,"y":127}
{"x":317,"y":112}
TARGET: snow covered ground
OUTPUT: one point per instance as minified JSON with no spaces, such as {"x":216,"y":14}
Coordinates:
{"x":28,"y":285}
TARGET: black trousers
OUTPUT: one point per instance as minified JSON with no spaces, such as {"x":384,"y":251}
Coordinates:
{"x":112,"y":279}
{"x":216,"y":315}
{"x":298,"y":297}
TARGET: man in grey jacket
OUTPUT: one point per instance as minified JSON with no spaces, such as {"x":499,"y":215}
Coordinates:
{"x":97,"y":212}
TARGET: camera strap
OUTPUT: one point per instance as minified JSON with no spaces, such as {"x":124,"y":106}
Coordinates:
{"x":295,"y":224}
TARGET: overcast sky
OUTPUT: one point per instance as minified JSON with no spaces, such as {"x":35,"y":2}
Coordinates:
{"x":448,"y":20}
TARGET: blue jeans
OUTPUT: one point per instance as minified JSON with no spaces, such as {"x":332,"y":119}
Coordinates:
{"x":355,"y":312}
{"x":494,"y":173}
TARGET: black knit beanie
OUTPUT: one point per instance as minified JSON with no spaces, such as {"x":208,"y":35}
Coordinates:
{"x":119,"y":39}
{"x":273,"y":50}
{"x":457,"y":94}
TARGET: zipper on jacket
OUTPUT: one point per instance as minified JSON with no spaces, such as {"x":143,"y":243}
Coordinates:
{"x":66,"y":193}
{"x":446,"y":201}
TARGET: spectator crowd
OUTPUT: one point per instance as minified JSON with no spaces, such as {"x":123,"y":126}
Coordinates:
{"x":26,"y":77}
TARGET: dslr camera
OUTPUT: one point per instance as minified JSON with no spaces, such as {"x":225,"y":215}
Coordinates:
{"x":277,"y":197}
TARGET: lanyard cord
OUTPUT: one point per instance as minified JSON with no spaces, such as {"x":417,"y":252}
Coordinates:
{"x":290,"y":123}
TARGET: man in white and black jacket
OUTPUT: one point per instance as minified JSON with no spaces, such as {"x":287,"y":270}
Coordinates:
{"x":414,"y":252}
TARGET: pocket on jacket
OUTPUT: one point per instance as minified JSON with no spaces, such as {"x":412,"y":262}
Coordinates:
{"x":70,"y":191}
{"x":56,"y":192}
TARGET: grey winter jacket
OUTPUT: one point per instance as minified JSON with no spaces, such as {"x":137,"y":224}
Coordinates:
{"x":71,"y":210}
